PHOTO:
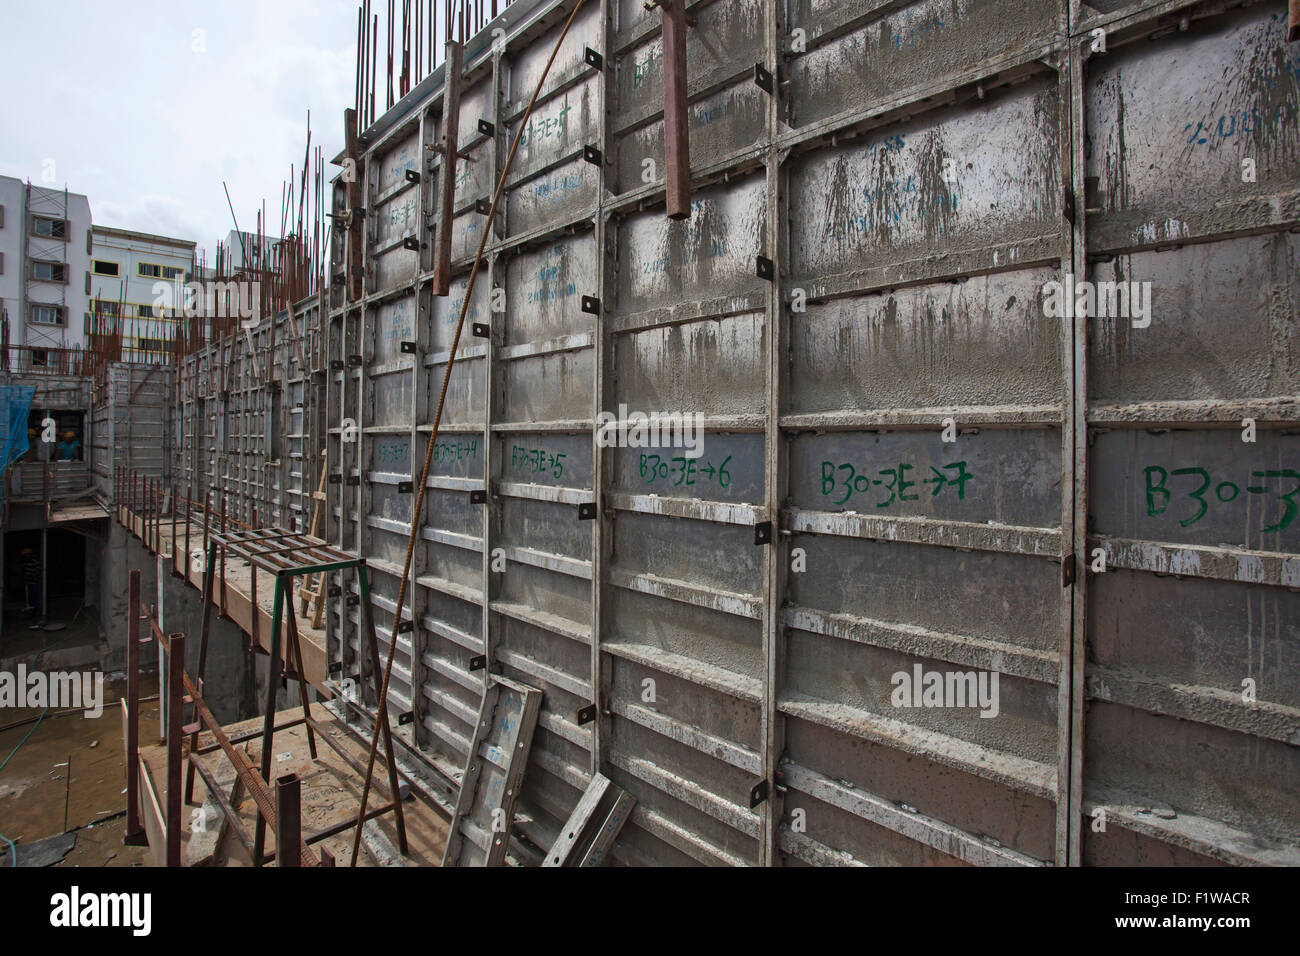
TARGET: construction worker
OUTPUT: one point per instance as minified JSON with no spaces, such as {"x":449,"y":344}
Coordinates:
{"x":70,"y":448}
{"x":32,"y":577}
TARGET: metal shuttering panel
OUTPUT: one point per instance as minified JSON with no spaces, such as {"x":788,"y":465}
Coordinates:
{"x":1192,"y":707}
{"x":908,"y":461}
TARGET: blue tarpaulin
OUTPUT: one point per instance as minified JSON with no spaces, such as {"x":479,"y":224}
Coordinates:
{"x":15,"y":403}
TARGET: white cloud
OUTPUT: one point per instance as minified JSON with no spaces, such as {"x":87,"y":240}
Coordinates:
{"x":148,"y":128}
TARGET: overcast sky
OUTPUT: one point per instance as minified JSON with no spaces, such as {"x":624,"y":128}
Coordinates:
{"x":146,"y":117}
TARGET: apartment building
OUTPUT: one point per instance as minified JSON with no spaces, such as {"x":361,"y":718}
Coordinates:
{"x":45,"y":242}
{"x":136,"y":278}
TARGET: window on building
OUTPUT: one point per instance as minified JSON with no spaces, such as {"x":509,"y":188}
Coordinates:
{"x":105,"y":307}
{"x":149,"y":345}
{"x":2,"y":217}
{"x":148,"y":270}
{"x":47,"y":314}
{"x":46,"y":271}
{"x":105,"y":268}
{"x":47,"y":228}
{"x":145,"y":311}
{"x":40,"y":358}
{"x":172,"y":272}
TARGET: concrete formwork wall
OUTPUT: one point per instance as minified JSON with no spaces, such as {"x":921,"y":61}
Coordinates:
{"x":248,"y":420}
{"x":915,"y":176}
{"x":131,"y":424}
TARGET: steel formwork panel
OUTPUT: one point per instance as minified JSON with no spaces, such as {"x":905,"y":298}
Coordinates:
{"x":941,"y":459}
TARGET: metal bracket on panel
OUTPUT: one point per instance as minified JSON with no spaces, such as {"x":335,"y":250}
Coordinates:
{"x":336,"y":479}
{"x":406,"y":718}
{"x":338,"y":278}
{"x":410,"y":242}
{"x":591,"y":304}
{"x":757,"y":794}
{"x":764,"y":268}
{"x":336,"y":667}
{"x":1067,"y":204}
{"x":409,"y":348}
{"x":354,"y":361}
{"x":478,"y":497}
{"x":335,"y":590}
{"x":405,"y":487}
{"x":593,"y":59}
{"x":481,"y":330}
{"x":587,"y":511}
{"x":336,"y":365}
{"x":406,"y":626}
{"x":763,"y":532}
{"x":592,"y":155}
{"x":353,"y":600}
{"x":482,"y":206}
{"x":763,"y":79}
{"x":354,"y":481}
{"x":412,"y":176}
{"x":478,"y":662}
{"x":587,"y":714}
{"x":1067,"y":570}
{"x":487,"y":128}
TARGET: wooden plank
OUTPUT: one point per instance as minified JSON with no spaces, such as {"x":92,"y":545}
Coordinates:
{"x":151,"y":813}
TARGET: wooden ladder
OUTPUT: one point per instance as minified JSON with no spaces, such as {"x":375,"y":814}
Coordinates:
{"x":308,"y":594}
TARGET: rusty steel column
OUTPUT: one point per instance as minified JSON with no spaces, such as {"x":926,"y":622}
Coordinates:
{"x":677,"y":148}
{"x":134,"y":835}
{"x":175,"y":715}
{"x":352,"y":169}
{"x":447,"y":175}
{"x":288,"y":820}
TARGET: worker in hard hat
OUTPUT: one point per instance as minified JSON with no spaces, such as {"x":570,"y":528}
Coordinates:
{"x":70,"y":447}
{"x":32,"y":578}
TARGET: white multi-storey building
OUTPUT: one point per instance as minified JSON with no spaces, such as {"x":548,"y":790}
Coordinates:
{"x":45,"y":239}
{"x":135,"y":278}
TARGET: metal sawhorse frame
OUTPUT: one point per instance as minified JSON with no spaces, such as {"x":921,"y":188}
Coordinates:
{"x":287,"y":555}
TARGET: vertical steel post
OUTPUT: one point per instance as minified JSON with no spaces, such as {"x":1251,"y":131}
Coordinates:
{"x":677,"y":150}
{"x":268,"y":719}
{"x":176,"y":709}
{"x":134,"y":831}
{"x":209,"y":569}
{"x":295,"y":648}
{"x":447,"y":174}
{"x":288,"y":820}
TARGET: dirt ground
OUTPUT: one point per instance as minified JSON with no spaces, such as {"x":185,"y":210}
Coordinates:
{"x":71,"y":766}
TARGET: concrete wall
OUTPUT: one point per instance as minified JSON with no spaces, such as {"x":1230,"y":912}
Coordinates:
{"x":235,"y":680}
